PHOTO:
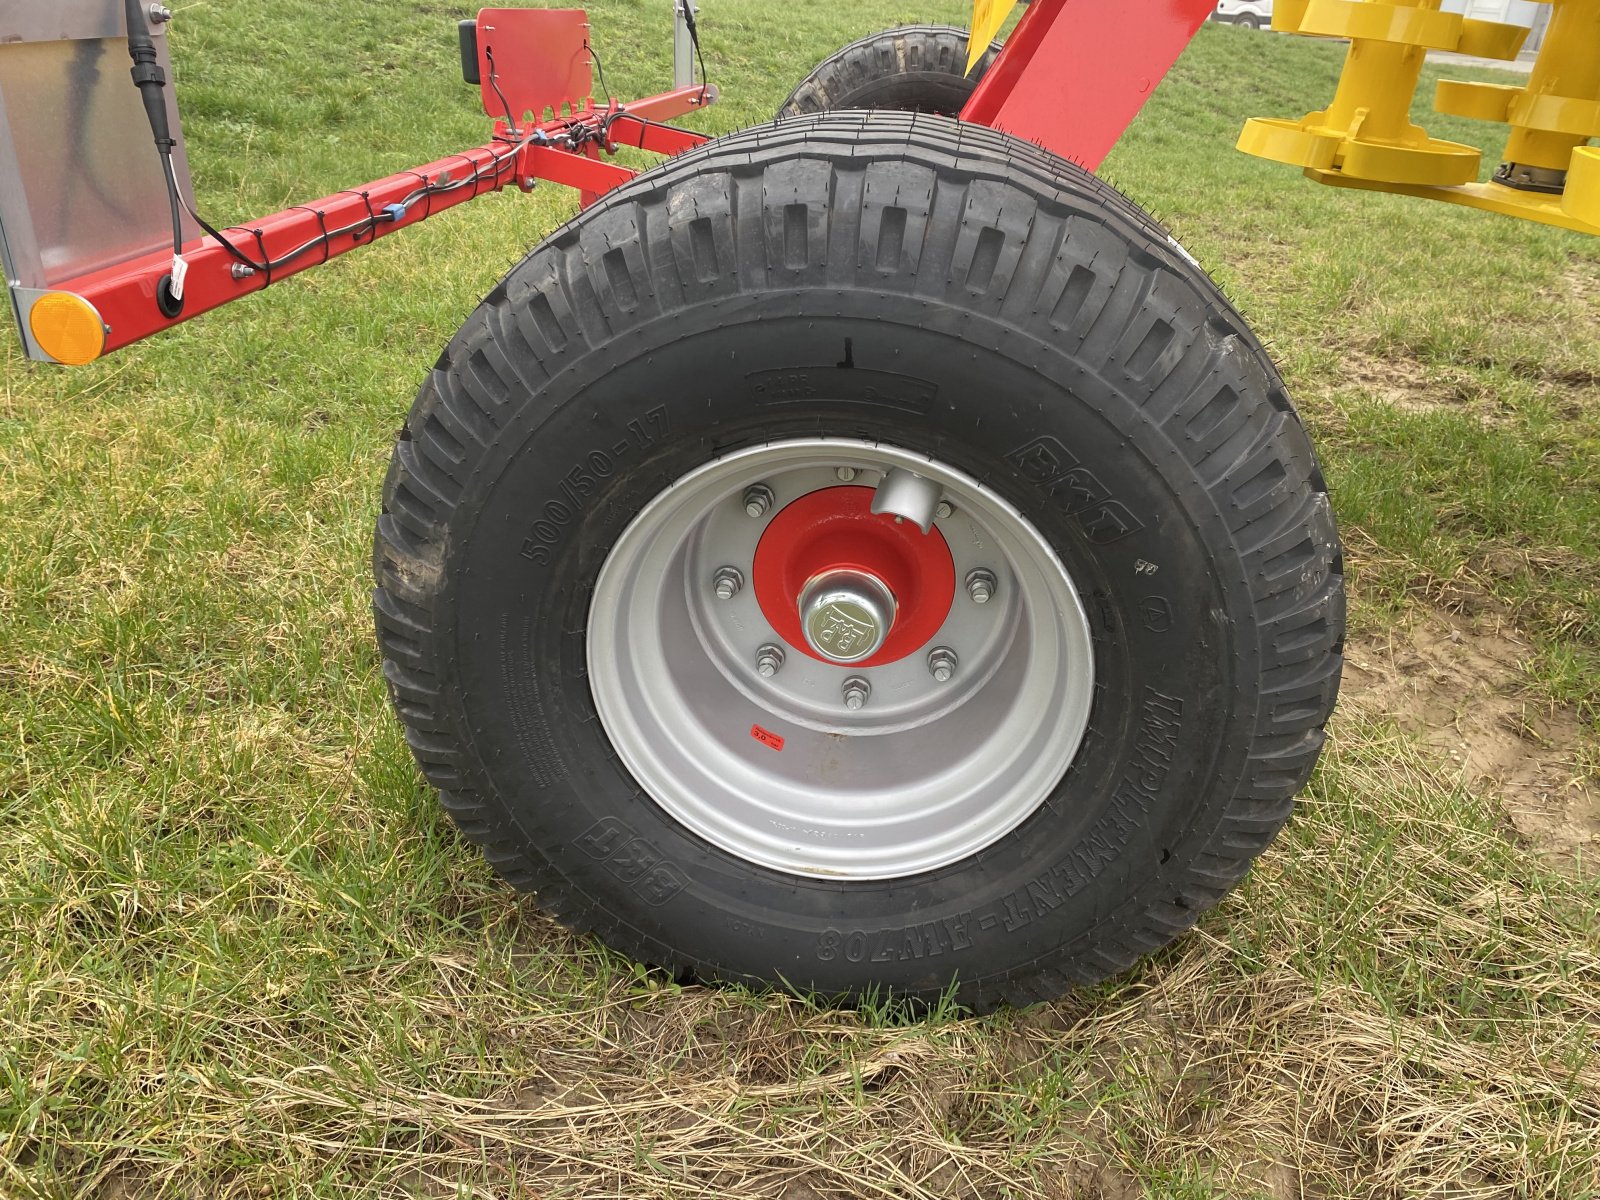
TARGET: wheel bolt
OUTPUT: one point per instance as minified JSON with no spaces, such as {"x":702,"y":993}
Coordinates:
{"x":945,"y":511}
{"x":845,"y":474}
{"x":981,"y":585}
{"x":942,"y":663}
{"x":727,"y":581}
{"x":768,"y":660}
{"x":757,"y":500}
{"x":856,"y":691}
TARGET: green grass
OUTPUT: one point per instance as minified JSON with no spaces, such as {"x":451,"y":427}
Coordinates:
{"x":244,"y":954}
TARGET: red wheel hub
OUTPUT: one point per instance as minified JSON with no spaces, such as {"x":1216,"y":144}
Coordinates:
{"x":835,"y":530}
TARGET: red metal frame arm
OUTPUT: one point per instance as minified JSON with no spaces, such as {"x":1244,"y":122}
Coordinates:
{"x":125,"y":296}
{"x":674,"y":103}
{"x":629,"y":130}
{"x":573,"y":170}
{"x":1074,"y":73}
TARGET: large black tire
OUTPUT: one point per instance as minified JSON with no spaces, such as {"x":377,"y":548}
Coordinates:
{"x":909,"y":281}
{"x":914,"y":68}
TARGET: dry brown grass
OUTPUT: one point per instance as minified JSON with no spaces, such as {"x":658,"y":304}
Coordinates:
{"x":1438,"y":1041}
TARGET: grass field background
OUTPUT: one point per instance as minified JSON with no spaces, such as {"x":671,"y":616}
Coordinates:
{"x":243,"y":954}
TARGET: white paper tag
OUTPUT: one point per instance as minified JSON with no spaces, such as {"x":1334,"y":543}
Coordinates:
{"x":179,"y":270}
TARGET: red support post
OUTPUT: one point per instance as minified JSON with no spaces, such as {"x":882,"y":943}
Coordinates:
{"x":1074,"y":73}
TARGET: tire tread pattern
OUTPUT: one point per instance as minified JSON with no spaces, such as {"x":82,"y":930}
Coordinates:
{"x":850,"y":76}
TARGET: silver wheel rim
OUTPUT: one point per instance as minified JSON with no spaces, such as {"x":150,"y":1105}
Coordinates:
{"x":926,"y":772}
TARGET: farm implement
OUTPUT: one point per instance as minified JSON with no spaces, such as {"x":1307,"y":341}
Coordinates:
{"x":864,"y":553}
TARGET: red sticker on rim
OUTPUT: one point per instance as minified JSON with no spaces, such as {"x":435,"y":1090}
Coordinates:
{"x":766,"y":737}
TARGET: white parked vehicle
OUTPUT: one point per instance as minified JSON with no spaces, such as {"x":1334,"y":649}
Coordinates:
{"x":1253,"y":13}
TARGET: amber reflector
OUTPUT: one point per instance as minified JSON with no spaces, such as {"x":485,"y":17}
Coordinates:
{"x":67,"y":328}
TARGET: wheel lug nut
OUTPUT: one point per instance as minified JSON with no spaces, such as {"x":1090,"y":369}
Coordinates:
{"x":769,"y":659}
{"x":845,"y":474}
{"x":757,"y":500}
{"x":856,"y":691}
{"x":727,"y":581}
{"x":981,"y":585}
{"x":942,"y":663}
{"x":945,"y":511}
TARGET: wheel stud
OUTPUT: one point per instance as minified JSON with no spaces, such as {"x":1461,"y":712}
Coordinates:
{"x":856,"y":691}
{"x":845,"y":474}
{"x":769,"y":659}
{"x":942,"y":663}
{"x":727,"y":581}
{"x":981,"y":585}
{"x":945,"y":511}
{"x":757,"y":500}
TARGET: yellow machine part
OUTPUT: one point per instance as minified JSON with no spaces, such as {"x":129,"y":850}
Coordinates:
{"x":987,"y":17}
{"x":1365,"y":138}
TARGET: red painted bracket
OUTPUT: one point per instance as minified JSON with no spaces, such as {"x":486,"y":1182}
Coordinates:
{"x":534,"y":61}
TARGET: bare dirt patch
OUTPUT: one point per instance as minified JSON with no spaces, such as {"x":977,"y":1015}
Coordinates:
{"x":1402,"y":382}
{"x":1408,"y":385}
{"x":1578,"y":283}
{"x":1460,"y":689}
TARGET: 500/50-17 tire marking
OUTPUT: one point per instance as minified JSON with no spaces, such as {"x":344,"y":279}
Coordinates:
{"x":578,"y":483}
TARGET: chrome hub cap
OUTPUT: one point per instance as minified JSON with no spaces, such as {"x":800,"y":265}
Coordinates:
{"x":846,"y":614}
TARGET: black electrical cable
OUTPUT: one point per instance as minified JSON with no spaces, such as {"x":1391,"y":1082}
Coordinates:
{"x":172,"y":204}
{"x":151,"y":81}
{"x":694,"y":39}
{"x":501,"y":165}
{"x":617,"y":113}
{"x":494,"y":82}
{"x":687,"y":8}
{"x":623,"y":114}
{"x":600,"y":71}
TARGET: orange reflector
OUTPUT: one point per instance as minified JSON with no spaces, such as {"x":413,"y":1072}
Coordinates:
{"x":67,"y":328}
